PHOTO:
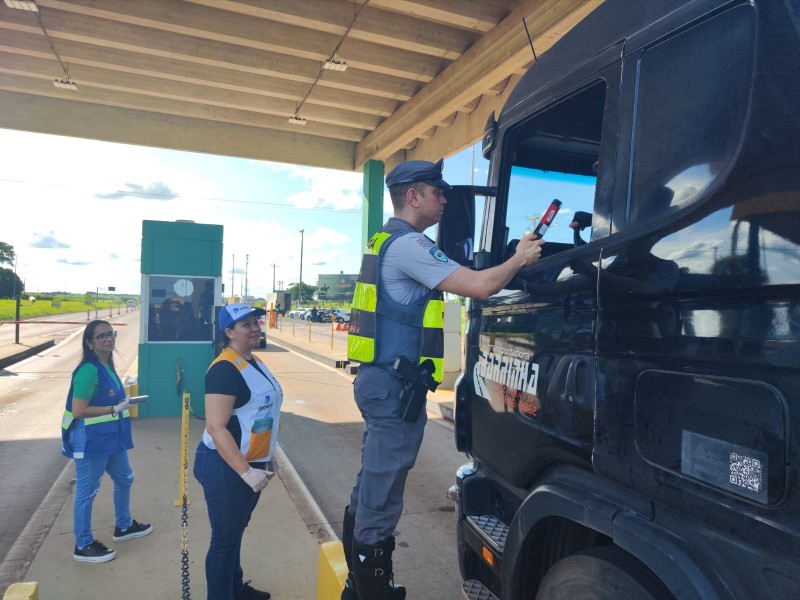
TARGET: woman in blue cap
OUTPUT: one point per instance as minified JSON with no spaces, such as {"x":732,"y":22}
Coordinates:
{"x":234,"y":461}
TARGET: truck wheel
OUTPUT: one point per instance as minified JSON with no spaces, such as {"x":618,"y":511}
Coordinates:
{"x":604,"y":573}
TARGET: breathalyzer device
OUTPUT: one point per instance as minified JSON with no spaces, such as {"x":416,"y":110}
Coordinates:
{"x":547,"y":219}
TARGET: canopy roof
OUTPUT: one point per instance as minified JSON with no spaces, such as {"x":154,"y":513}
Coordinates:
{"x":246,"y":78}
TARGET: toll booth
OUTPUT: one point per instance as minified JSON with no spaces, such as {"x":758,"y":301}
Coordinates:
{"x":181,"y":297}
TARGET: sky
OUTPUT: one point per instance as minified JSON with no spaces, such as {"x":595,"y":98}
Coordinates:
{"x":73,"y":211}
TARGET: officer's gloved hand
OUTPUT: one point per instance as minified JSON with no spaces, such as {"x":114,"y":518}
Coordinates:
{"x":255,"y":478}
{"x":118,"y":408}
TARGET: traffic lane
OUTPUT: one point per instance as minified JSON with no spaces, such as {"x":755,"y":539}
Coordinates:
{"x":59,"y":326}
{"x":32,"y":396}
{"x":321,"y":435}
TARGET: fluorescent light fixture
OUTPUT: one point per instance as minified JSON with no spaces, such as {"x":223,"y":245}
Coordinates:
{"x":295,"y":120}
{"x":334,"y":64}
{"x":23,"y":5}
{"x":65,"y":84}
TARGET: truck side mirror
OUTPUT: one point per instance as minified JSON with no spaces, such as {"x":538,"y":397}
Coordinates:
{"x":456,"y":233}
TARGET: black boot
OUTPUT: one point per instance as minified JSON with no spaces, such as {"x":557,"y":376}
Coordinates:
{"x":372,"y":572}
{"x":348,"y":524}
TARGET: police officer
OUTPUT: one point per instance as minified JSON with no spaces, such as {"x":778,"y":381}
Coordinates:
{"x":398,"y":311}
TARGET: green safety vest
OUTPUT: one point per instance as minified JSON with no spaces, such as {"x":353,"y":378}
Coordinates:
{"x":362,"y":345}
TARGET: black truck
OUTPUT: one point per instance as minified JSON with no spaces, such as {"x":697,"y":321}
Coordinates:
{"x":630,"y":405}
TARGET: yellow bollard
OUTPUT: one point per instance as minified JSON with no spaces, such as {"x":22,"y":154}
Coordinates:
{"x":22,"y":591}
{"x":309,"y":331}
{"x":332,"y":571}
{"x":184,"y":462}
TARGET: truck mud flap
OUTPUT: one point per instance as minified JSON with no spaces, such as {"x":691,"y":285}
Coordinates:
{"x":475,"y":590}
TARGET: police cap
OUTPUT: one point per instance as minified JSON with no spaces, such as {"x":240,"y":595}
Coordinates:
{"x":417,"y":171}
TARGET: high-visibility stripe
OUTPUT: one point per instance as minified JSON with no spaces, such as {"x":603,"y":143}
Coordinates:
{"x":365,"y":296}
{"x":438,"y":364}
{"x":434,"y":314}
{"x":358,"y":346}
{"x":67,"y":419}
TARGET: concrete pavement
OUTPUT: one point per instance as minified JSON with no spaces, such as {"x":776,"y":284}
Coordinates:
{"x":299,"y":566}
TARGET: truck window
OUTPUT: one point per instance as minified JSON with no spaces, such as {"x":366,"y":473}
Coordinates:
{"x":679,"y":154}
{"x":555,"y":154}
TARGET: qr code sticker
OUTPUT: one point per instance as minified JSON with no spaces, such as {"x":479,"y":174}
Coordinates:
{"x":746,"y":472}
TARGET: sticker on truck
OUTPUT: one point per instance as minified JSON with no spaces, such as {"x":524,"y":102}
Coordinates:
{"x":508,"y":377}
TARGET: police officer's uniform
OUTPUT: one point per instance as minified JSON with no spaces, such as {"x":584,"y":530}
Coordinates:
{"x":396,"y":312}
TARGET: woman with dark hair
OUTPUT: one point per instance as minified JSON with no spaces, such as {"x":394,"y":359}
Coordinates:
{"x":96,"y":433}
{"x":235,"y":458}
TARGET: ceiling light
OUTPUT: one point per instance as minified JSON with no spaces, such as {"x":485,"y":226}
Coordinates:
{"x":295,"y":120}
{"x":334,"y":64}
{"x":65,"y":84}
{"x":23,"y":5}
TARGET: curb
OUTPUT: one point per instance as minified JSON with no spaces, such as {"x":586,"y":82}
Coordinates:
{"x":23,"y":354}
{"x":443,"y":409}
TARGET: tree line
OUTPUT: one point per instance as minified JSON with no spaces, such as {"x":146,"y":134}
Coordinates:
{"x":10,"y":283}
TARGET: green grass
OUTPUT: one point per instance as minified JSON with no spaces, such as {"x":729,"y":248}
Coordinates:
{"x":44,"y":307}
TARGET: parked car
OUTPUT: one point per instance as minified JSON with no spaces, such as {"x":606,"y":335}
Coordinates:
{"x":297,"y":313}
{"x":262,"y":320}
{"x":339,"y":315}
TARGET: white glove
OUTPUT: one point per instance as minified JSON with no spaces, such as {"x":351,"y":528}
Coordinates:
{"x":255,"y":478}
{"x":117,"y":409}
{"x":272,"y":467}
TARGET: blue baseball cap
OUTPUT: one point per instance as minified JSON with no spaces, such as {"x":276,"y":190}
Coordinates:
{"x":417,"y":171}
{"x":230,"y":314}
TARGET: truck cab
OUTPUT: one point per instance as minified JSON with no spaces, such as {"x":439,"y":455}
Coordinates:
{"x":630,"y":404}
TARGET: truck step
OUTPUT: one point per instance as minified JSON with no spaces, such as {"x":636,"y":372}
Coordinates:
{"x":475,"y":590}
{"x":491,"y":527}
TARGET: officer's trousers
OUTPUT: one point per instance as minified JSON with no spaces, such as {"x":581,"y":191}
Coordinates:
{"x":389,"y":448}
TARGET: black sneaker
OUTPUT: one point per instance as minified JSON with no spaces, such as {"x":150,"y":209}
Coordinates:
{"x":135,"y":530}
{"x":248,"y":592}
{"x":96,"y":552}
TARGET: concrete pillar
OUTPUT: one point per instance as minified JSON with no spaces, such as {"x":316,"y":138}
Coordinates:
{"x":452,"y":345}
{"x":372,"y":215}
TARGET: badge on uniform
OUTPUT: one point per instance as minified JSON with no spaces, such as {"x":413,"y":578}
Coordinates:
{"x":438,"y":255}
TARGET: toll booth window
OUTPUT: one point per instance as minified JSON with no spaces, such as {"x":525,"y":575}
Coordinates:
{"x":692,"y":102}
{"x":180,"y":308}
{"x":555,"y":155}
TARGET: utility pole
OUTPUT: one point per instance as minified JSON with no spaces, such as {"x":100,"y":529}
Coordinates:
{"x":300,"y":289}
{"x":246,"y":266}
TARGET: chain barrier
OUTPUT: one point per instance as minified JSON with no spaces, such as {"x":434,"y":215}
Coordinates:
{"x":183,"y":499}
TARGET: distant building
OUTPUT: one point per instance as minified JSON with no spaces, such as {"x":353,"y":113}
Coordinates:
{"x":338,"y":287}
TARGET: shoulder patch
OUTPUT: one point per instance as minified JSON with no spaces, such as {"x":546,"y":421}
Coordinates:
{"x":438,"y":255}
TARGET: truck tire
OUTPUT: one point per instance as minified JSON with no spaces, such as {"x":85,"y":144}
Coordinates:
{"x":603,"y":573}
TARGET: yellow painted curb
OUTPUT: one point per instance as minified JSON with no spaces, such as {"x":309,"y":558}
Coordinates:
{"x":27,"y":591}
{"x":332,"y":571}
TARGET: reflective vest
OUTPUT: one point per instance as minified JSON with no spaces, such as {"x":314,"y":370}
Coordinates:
{"x":260,"y":416}
{"x":99,"y":441}
{"x":382,"y":329}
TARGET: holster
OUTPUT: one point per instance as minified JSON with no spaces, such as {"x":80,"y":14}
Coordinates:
{"x":417,"y":381}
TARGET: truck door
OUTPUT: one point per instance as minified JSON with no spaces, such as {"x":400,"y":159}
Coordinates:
{"x":533,"y":345}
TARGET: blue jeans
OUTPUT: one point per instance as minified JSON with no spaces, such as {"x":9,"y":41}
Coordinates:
{"x":230,"y":503}
{"x":88,"y":475}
